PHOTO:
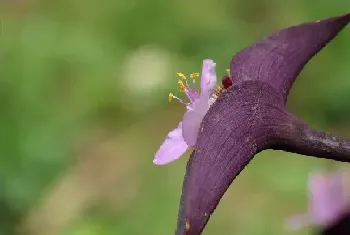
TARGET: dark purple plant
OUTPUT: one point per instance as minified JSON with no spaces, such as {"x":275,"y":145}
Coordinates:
{"x":251,"y":116}
{"x":340,"y":227}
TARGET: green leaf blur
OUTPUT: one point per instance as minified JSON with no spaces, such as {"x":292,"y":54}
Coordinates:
{"x":83,"y":94}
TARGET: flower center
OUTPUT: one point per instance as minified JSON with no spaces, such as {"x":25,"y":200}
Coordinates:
{"x":190,"y":90}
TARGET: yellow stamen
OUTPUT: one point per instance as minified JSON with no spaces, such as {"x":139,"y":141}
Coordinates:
{"x":217,"y":90}
{"x":187,"y":226}
{"x":194,"y":75}
{"x":171,"y":96}
{"x":181,"y":75}
{"x":181,"y":86}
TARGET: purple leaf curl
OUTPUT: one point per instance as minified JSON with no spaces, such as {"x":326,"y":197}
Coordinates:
{"x":251,"y":116}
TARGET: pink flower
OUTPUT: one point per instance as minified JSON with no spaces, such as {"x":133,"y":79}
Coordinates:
{"x":327,"y":200}
{"x":185,"y":135}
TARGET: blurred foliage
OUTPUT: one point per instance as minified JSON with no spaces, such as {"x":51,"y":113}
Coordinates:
{"x":75,"y":74}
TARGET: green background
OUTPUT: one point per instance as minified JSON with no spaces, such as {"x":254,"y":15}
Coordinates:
{"x":84,"y":107}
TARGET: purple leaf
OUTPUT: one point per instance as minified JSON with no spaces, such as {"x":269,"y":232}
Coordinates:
{"x":279,"y":58}
{"x":251,"y":116}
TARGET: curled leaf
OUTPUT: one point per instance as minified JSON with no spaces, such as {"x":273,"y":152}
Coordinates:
{"x":251,"y":116}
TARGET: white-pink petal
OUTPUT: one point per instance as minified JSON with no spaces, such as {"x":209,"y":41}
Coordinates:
{"x":327,"y":199}
{"x":185,"y":135}
{"x":172,"y":148}
{"x":208,"y":77}
{"x":192,"y":120}
{"x":193,"y":117}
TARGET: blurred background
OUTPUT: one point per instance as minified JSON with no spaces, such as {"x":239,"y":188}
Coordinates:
{"x":84,"y":108}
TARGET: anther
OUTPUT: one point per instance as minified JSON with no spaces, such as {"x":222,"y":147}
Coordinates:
{"x":183,"y":77}
{"x":170,"y":97}
{"x":194,"y":75}
{"x":181,"y":86}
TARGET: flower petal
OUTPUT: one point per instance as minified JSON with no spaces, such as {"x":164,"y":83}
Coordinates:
{"x":172,"y":148}
{"x":192,"y":120}
{"x":326,"y":197}
{"x":208,"y":77}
